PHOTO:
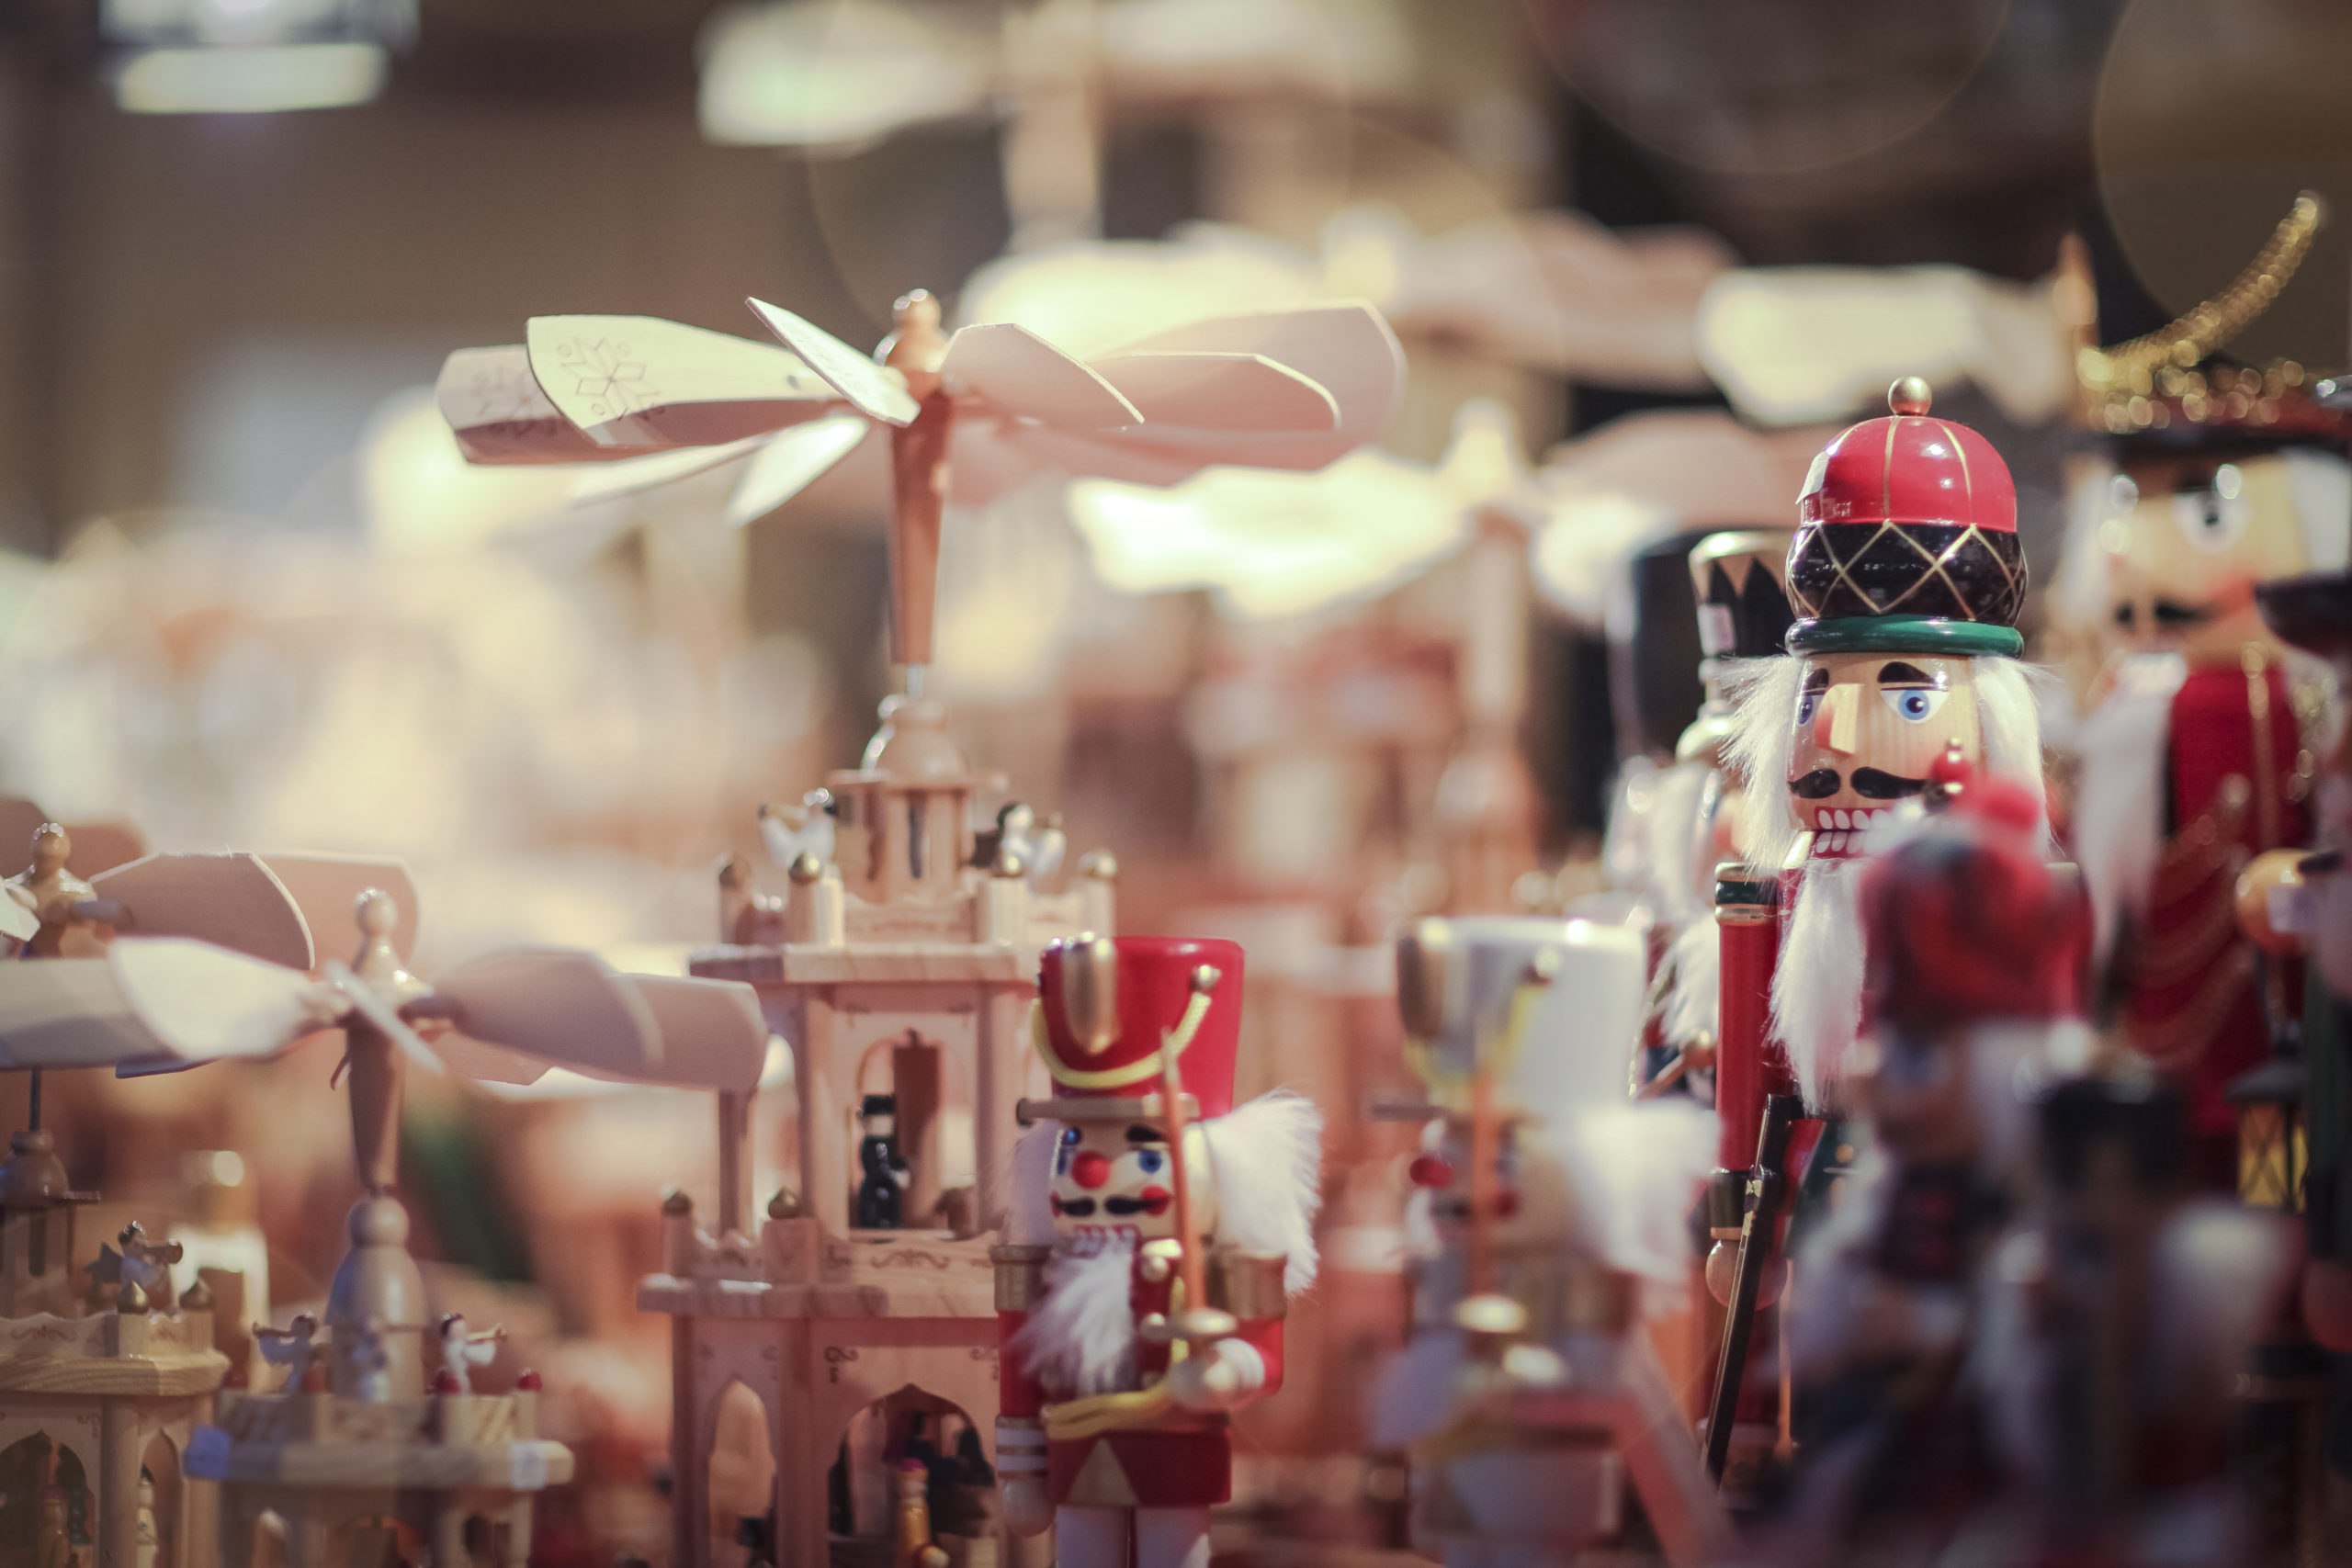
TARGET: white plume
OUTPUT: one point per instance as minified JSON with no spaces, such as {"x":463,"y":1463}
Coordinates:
{"x":1267,"y":1158}
{"x":1029,"y":1187}
{"x":1636,"y":1170}
{"x":1694,"y":1000}
{"x":1764,"y":694}
{"x":1080,"y":1336}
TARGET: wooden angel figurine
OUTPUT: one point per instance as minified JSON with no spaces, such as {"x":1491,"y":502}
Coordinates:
{"x":1155,"y":1233}
{"x":141,"y":1271}
{"x":292,"y":1346}
{"x":461,"y":1352}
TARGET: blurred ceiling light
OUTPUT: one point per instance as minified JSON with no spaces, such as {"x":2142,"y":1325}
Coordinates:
{"x":819,"y":72}
{"x":418,"y":493}
{"x":1797,"y":345}
{"x":836,"y":72}
{"x":1276,"y":544}
{"x":252,"y":56}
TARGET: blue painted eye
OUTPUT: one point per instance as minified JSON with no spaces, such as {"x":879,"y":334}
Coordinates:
{"x":1915,"y":705}
{"x":1807,"y":705}
{"x":1150,"y":1160}
{"x":1062,"y":1148}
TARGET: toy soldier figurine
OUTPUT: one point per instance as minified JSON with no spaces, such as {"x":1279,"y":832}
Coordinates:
{"x":1548,"y":1205}
{"x":1906,"y":577}
{"x":885,"y":1173}
{"x":1974,"y":942}
{"x":1155,"y":1235}
{"x":1687,"y":811}
{"x":2199,"y":752}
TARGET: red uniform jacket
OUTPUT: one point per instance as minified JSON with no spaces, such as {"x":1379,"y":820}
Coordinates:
{"x":1167,"y":1457}
{"x":2233,"y":790}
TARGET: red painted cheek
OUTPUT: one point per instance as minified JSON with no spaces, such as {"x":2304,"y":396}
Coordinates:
{"x":1090,"y":1170}
{"x":1429,"y":1170}
{"x":1155,"y":1200}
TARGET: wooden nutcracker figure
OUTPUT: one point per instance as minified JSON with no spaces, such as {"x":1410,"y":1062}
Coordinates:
{"x":2199,"y":753}
{"x":1686,"y":814}
{"x":1974,"y":942}
{"x":1906,"y":577}
{"x":1155,"y":1235}
{"x":1551,"y":1210}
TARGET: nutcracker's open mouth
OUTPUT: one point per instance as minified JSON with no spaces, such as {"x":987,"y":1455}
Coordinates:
{"x":1153,"y":1201}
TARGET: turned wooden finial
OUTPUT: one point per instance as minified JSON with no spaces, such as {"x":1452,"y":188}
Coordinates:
{"x":916,"y":345}
{"x":378,"y":916}
{"x":52,"y":846}
{"x":1910,"y":395}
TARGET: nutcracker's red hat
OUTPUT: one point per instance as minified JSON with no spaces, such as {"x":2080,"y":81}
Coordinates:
{"x":1108,"y":1007}
{"x":1908,"y":540}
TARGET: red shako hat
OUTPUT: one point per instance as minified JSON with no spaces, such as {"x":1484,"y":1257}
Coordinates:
{"x":1908,"y":540}
{"x":1107,"y":1005}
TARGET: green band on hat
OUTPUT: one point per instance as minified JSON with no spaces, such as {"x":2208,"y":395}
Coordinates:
{"x":1905,"y":634}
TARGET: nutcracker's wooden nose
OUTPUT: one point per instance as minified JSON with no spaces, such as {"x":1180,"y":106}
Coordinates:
{"x":1090,"y":1170}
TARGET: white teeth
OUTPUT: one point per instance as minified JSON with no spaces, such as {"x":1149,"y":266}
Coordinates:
{"x":1821,"y":819}
{"x":1843,"y":820}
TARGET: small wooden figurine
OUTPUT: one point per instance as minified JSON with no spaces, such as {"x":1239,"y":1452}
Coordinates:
{"x":1155,"y":1235}
{"x":461,"y":1352}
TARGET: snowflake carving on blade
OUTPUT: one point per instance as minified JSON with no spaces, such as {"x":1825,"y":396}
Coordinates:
{"x":602,"y":372}
{"x":505,"y":394}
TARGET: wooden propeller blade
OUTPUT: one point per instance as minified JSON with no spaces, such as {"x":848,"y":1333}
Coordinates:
{"x":1221,"y":392}
{"x":872,"y":389}
{"x":1020,"y":375}
{"x":327,"y":888}
{"x":610,"y":480}
{"x":470,"y":1058}
{"x":713,"y":1035}
{"x":1346,"y":349}
{"x":558,"y":1004}
{"x":68,"y":1012}
{"x":202,"y":1003}
{"x":232,"y":900}
{"x":17,"y":924}
{"x":642,"y":381}
{"x":499,"y":415}
{"x":791,"y":461}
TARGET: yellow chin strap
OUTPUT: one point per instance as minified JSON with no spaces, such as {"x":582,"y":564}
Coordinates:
{"x":1447,"y":1088}
{"x":1175,"y":1042}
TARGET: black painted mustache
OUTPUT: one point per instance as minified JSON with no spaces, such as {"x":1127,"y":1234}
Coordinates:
{"x":1871,"y":784}
{"x":2166,"y":612}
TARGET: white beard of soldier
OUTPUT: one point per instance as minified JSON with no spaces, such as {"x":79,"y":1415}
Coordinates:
{"x":1868,"y":730}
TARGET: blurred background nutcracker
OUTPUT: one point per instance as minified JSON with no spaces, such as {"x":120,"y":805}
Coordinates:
{"x":2199,"y":752}
{"x":1550,"y":1215}
{"x":1973,"y":946}
{"x":1154,"y":1234}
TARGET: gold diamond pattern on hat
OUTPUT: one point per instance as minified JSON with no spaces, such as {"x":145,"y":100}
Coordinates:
{"x":1936,"y":561}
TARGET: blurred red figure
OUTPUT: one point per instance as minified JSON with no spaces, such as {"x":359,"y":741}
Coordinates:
{"x":1155,"y":1235}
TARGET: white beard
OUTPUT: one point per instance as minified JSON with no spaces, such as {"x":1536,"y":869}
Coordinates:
{"x":1080,"y":1337}
{"x":1817,"y":984}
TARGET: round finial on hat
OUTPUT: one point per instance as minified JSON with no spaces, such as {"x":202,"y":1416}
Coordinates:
{"x":1910,"y":395}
